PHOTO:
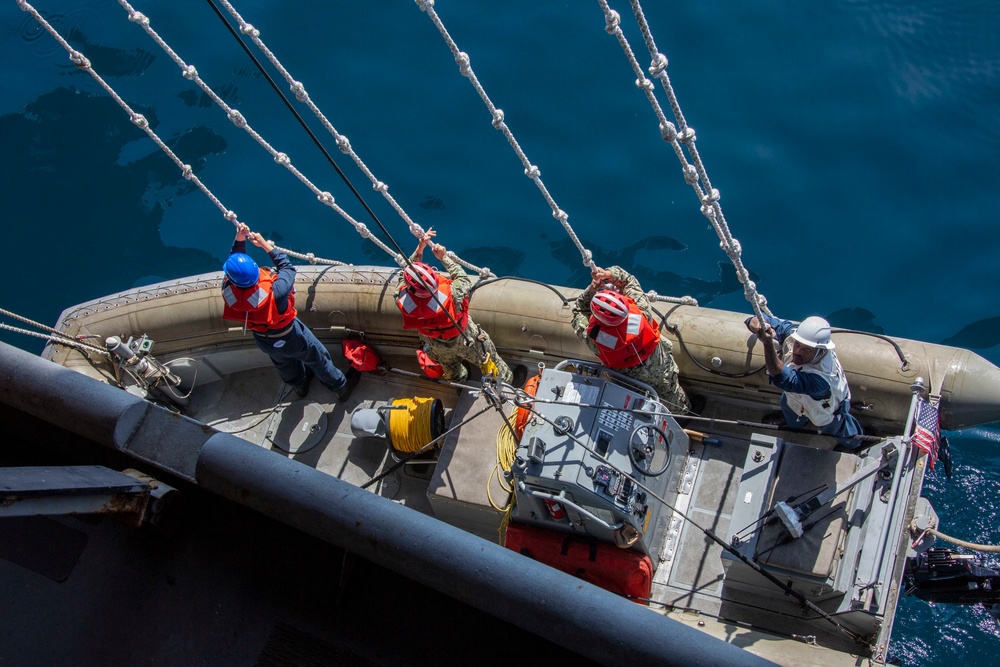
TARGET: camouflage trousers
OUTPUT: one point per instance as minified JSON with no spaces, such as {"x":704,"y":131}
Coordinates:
{"x":660,"y":373}
{"x":452,"y":352}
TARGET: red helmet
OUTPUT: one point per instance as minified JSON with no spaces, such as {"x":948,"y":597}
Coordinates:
{"x":609,"y":307}
{"x":420,"y":279}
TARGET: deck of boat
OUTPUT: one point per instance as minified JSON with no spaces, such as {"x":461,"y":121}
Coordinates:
{"x":689,"y":585}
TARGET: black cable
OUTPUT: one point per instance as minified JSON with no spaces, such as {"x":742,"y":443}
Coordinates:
{"x":266,"y":415}
{"x":787,"y":538}
{"x":813,"y":492}
{"x":333,"y":163}
{"x":663,"y":321}
{"x":674,"y":330}
{"x":403,"y":461}
{"x":899,"y":350}
{"x":523,"y":399}
{"x":680,"y":339}
{"x":302,"y":122}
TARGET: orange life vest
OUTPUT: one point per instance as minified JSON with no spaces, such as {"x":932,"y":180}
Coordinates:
{"x":524,"y":414}
{"x":431,"y":368}
{"x":433,"y":317}
{"x":255,"y":305}
{"x":628,"y":344}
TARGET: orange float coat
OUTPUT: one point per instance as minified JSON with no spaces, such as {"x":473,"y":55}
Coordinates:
{"x":433,"y":317}
{"x":627,"y":344}
{"x":256,"y":306}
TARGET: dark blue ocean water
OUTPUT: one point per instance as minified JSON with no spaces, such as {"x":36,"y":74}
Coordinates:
{"x":856,"y":145}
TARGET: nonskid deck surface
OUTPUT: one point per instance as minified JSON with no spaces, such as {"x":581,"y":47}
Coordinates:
{"x":693,"y":580}
{"x":316,"y":431}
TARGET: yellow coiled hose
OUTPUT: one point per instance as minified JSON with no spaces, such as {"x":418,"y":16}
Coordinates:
{"x":506,"y":453}
{"x":410,"y":429}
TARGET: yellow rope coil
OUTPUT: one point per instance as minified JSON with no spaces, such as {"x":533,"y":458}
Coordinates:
{"x":504,"y":522}
{"x":506,"y":453}
{"x":410,"y":429}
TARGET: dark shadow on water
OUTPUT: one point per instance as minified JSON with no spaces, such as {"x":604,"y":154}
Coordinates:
{"x":193,"y":98}
{"x":377,"y":256}
{"x":859,"y":319}
{"x":63,"y":220}
{"x":979,"y":335}
{"x":501,"y":260}
{"x":109,"y":61}
{"x":431,"y":202}
{"x":665,"y":282}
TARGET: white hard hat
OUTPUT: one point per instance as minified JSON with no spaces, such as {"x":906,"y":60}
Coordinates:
{"x":815,"y":332}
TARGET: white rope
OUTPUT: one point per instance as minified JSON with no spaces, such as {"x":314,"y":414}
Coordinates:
{"x":37,"y":325}
{"x":985,"y":548}
{"x":191,"y":73}
{"x":682,"y":300}
{"x":530,"y":170}
{"x":140,"y":121}
{"x":694,"y":171}
{"x":299,"y":90}
{"x":55,"y":336}
{"x":311,"y":258}
{"x":58,"y":338}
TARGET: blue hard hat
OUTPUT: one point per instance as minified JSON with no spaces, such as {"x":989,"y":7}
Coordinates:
{"x":241,"y":270}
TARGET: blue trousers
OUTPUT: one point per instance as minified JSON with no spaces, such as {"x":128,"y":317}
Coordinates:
{"x":297,"y":350}
{"x":843,"y":426}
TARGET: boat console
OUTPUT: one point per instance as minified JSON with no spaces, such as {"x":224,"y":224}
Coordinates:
{"x":597,"y":448}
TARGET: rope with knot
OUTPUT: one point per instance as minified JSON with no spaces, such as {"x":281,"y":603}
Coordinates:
{"x":239,"y":120}
{"x":142,"y":123}
{"x":499,"y":122}
{"x":530,"y":170}
{"x":343,"y":143}
{"x":681,"y":137}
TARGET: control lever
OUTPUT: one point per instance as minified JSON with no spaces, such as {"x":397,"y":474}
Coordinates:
{"x":561,"y":498}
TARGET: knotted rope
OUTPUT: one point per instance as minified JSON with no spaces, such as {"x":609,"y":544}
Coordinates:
{"x":299,"y":90}
{"x":680,"y":137}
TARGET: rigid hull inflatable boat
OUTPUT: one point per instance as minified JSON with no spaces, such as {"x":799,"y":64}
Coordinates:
{"x":577,"y":508}
{"x":764,"y":538}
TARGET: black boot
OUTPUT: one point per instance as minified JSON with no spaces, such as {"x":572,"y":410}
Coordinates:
{"x":353,"y":377}
{"x":302,"y":389}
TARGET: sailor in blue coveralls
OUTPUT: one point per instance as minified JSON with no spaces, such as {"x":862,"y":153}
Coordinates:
{"x":814,"y":384}
{"x":263,"y":300}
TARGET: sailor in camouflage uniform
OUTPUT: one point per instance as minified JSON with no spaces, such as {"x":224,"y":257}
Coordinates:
{"x":613,"y":316}
{"x":434,"y":317}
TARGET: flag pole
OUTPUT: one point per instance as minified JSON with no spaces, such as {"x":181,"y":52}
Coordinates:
{"x":918,"y":389}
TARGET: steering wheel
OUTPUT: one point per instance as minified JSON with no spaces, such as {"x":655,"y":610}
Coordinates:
{"x":649,"y":449}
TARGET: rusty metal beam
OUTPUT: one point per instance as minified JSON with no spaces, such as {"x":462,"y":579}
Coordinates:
{"x":32,"y":491}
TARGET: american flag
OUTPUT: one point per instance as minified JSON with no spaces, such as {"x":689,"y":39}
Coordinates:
{"x":927,"y":430}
